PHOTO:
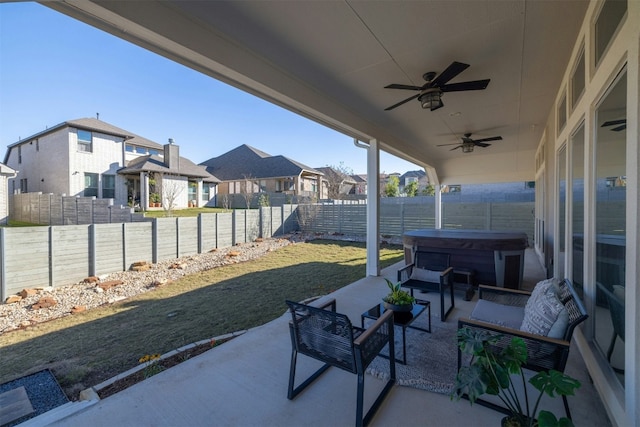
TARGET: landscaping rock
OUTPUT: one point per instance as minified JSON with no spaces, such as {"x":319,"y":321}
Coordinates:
{"x":110,"y":284}
{"x":44,"y":302}
{"x":12,"y":299}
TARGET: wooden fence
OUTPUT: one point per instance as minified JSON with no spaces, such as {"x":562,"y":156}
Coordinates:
{"x":32,"y":257}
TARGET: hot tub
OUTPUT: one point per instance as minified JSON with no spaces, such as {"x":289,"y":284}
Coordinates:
{"x":497,"y":257}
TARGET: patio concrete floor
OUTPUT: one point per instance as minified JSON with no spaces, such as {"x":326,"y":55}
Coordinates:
{"x":244,"y":383}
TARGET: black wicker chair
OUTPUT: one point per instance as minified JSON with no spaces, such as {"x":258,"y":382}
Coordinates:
{"x":330,"y":338}
{"x":616,"y":310}
{"x":543,"y":353}
{"x":438,"y":267}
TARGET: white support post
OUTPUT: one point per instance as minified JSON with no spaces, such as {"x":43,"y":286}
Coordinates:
{"x":373,"y":208}
{"x":438,"y":207}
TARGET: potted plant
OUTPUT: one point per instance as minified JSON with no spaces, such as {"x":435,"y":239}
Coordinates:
{"x":490,"y":371}
{"x":154,"y":200}
{"x":397,"y":299}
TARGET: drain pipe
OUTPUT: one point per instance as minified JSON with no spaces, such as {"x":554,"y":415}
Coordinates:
{"x":360,"y":144}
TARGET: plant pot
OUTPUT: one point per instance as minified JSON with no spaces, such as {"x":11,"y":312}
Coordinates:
{"x":399,"y":308}
{"x":514,"y":421}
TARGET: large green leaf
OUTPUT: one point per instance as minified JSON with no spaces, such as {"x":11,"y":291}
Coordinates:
{"x":554,"y":382}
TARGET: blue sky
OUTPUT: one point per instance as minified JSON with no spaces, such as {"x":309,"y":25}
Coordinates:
{"x":54,"y":68}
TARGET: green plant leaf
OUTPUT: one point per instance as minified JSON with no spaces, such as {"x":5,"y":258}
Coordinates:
{"x":554,"y":382}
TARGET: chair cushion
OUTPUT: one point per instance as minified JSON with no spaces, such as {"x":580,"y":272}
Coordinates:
{"x":560,"y":326}
{"x":542,"y":310}
{"x":503,"y":315}
{"x":425,"y":275}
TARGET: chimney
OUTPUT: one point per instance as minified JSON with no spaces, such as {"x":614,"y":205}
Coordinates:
{"x":172,"y":155}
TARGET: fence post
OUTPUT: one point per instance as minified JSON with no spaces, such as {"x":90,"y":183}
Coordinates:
{"x":3,"y":273}
{"x":200,"y":233}
{"x":92,"y":250}
{"x":233,"y":227}
{"x":124,"y":246}
{"x":51,"y":260}
{"x":177,"y":237}
{"x":154,"y":240}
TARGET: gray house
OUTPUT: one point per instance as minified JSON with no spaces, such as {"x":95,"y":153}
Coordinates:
{"x":245,"y":172}
{"x":5,"y":173}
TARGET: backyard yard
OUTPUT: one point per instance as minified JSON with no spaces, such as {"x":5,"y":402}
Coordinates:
{"x":85,"y":349}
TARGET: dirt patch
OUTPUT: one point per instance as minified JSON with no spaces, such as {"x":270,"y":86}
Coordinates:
{"x":160,"y":365}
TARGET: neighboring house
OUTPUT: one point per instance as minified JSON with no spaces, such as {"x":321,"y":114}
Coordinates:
{"x":245,"y":172}
{"x":169,"y":180}
{"x":5,"y":173}
{"x":360,"y":187}
{"x":84,"y":157}
{"x":335,"y":184}
{"x":419,"y":176}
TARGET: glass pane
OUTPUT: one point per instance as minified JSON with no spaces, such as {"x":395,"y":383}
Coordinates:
{"x":610,"y":223}
{"x":607,"y":23}
{"x":562,"y":113}
{"x":577,"y":81}
{"x":84,"y":136}
{"x":577,"y":205}
{"x":562,"y":209}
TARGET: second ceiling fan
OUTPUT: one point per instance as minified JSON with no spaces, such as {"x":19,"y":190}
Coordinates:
{"x":467,"y":144}
{"x":430,"y":93}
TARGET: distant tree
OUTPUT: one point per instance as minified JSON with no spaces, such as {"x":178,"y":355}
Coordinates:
{"x":169,"y":189}
{"x":411,"y":189}
{"x":225,"y":201}
{"x":429,"y":190}
{"x":248,"y":190}
{"x":263,"y":200}
{"x":335,"y":180}
{"x":392,"y":188}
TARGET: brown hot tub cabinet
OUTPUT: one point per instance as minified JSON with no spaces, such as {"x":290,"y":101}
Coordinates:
{"x":496,"y":257}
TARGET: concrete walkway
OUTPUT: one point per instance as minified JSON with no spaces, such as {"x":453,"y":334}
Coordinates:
{"x":244,"y":383}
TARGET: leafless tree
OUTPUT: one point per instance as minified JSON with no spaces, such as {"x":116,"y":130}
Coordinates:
{"x":225,"y":201}
{"x":170,"y":189}
{"x":335,"y":179}
{"x":248,"y":190}
{"x":307,"y":212}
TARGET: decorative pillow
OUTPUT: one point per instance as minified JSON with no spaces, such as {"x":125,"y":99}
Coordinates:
{"x":559,"y":327}
{"x":425,"y":275}
{"x":542,"y":310}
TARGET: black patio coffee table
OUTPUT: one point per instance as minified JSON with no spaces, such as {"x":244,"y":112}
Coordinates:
{"x":404,"y":319}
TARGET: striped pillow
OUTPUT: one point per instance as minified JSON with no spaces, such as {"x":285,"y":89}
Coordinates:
{"x":542,"y":310}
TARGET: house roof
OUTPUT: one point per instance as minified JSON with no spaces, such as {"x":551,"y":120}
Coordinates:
{"x":94,"y":125}
{"x":329,"y":172}
{"x":416,"y":173}
{"x":245,"y":161}
{"x":154,"y":163}
{"x":6,"y":170}
{"x":359,"y":178}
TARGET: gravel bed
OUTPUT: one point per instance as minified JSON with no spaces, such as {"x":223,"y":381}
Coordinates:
{"x":43,"y":391}
{"x":85,"y":296}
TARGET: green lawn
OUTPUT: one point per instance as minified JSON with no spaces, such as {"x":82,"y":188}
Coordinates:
{"x":183,"y":212}
{"x":87,"y":348}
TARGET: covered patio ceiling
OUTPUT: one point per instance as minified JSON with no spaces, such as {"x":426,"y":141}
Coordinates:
{"x":331,"y":60}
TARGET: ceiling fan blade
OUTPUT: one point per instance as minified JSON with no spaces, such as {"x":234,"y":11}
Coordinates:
{"x":402,"y":102}
{"x":472,"y":85}
{"x":614,"y":122}
{"x":399,"y":86}
{"x":493,"y":138}
{"x":619,"y":128}
{"x":455,"y":148}
{"x":452,"y":70}
{"x":444,"y":145}
{"x":481,"y":144}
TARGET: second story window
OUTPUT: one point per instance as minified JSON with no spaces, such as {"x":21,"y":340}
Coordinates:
{"x":129,"y":148}
{"x":19,"y":153}
{"x":85,"y":141}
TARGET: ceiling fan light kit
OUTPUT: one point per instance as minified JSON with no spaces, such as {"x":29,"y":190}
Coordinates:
{"x":430,"y":93}
{"x":468,"y":144}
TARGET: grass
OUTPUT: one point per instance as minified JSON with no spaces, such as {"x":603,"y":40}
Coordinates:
{"x":85,"y":349}
{"x":183,"y":212}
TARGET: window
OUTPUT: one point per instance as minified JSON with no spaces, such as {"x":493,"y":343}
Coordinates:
{"x":129,"y":148}
{"x":608,"y":21}
{"x":263,"y":186}
{"x":193,"y":188}
{"x":19,"y":153}
{"x":108,"y":186}
{"x":91,"y":185}
{"x":153,"y":152}
{"x":454,"y":189}
{"x":84,"y":141}
{"x":141,"y":150}
{"x":562,"y":113}
{"x":577,"y":80}
{"x":23,"y":185}
{"x":205,"y":192}
{"x":529,"y":184}
{"x":37,"y":145}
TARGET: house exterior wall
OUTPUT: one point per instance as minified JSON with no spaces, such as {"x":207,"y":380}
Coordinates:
{"x":105,"y":159}
{"x":43,"y":162}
